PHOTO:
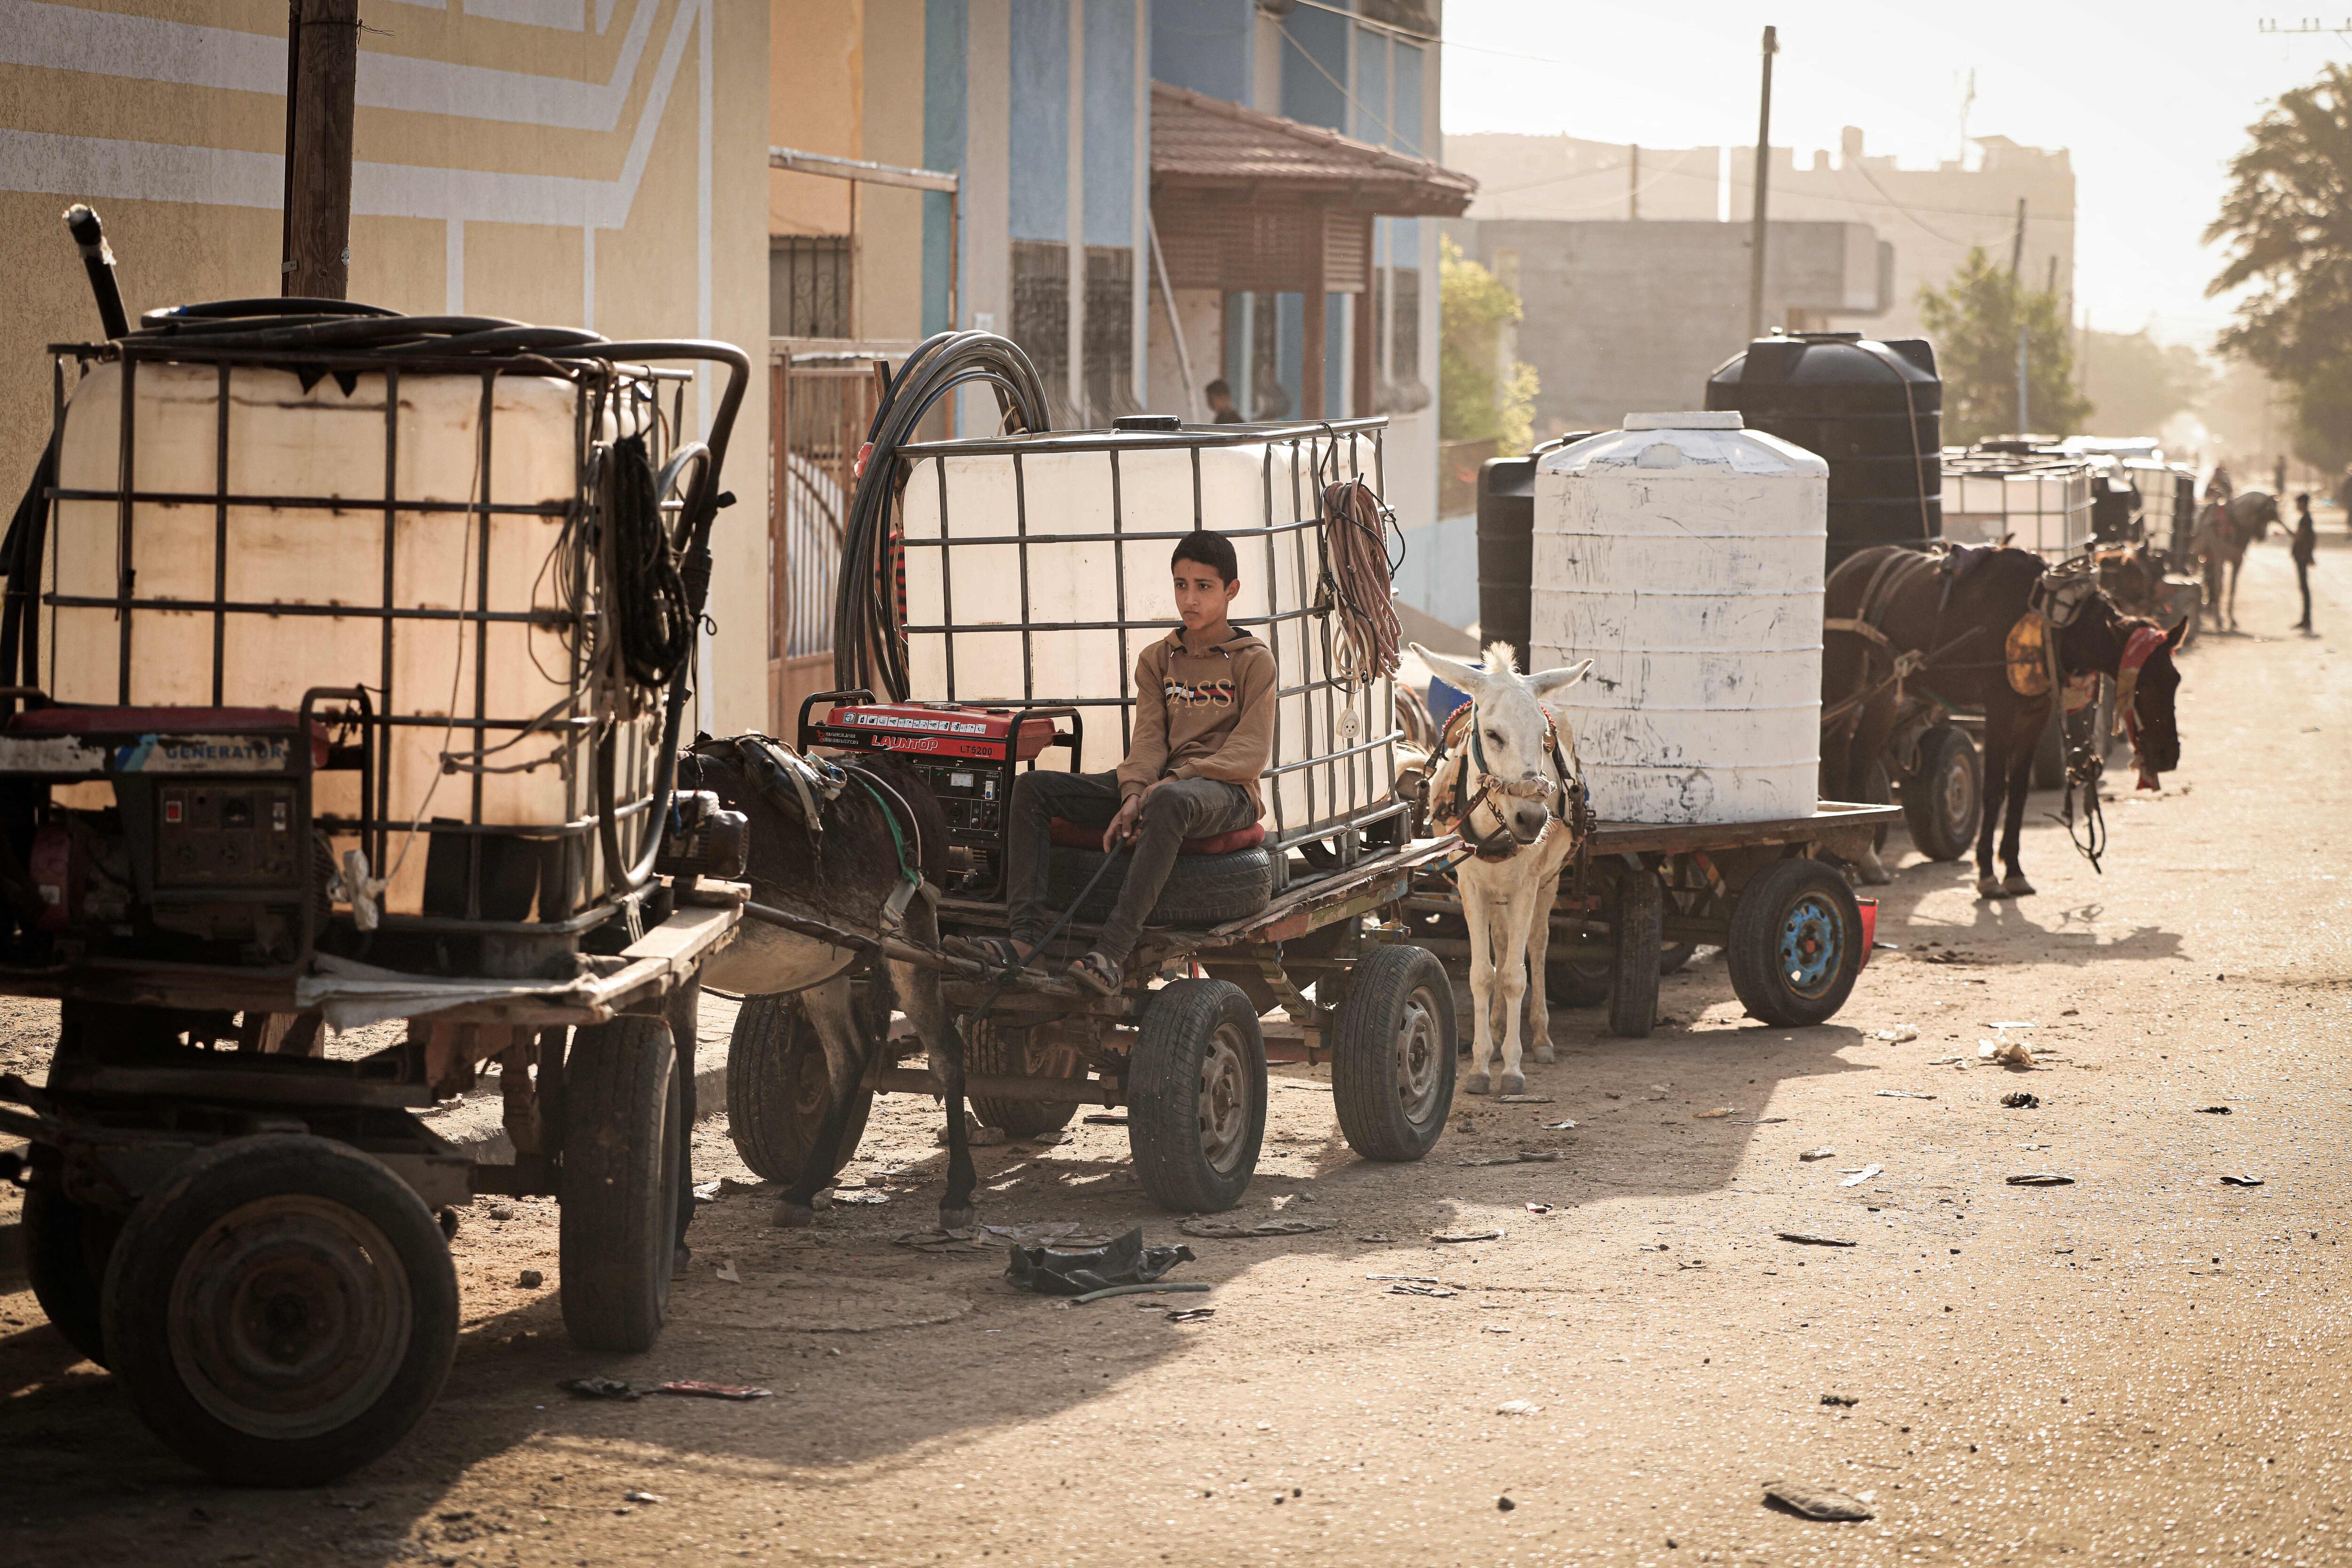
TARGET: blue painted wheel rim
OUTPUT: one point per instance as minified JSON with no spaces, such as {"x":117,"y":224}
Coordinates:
{"x":1812,"y":945}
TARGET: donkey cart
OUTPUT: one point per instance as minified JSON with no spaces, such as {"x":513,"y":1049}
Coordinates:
{"x":346,"y":656}
{"x":1036,"y":569}
{"x":1185,"y":1056}
{"x":1792,"y":930}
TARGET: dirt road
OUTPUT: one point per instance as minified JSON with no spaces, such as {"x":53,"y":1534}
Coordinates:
{"x":2145,"y":1366}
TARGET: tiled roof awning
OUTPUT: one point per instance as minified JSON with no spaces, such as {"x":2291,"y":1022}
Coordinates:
{"x":1202,"y":143}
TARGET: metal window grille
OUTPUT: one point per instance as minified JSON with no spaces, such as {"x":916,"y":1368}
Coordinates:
{"x":810,"y":282}
{"x":1109,"y":367}
{"x":1041,"y":319}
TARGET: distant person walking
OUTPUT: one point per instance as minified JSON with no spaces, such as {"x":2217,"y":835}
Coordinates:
{"x":2344,"y":496}
{"x":2278,"y":475}
{"x":2306,"y":553}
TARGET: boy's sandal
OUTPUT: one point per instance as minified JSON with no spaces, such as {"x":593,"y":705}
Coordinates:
{"x":1096,"y":973}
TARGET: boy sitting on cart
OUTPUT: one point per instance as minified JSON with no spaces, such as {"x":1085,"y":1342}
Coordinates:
{"x":1204,"y":726}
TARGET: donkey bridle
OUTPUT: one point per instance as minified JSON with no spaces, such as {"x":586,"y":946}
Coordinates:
{"x":1566,"y":793}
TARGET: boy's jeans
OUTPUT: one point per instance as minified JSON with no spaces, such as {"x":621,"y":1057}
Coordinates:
{"x":1180,"y":809}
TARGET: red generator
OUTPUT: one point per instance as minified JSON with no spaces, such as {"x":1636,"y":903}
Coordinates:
{"x":968,"y":755}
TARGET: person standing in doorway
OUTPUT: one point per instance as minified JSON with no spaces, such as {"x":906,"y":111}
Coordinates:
{"x":1220,"y":395}
{"x":2306,"y":553}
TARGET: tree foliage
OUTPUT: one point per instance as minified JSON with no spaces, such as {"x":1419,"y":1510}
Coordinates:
{"x":2136,"y":383}
{"x":2287,"y":221}
{"x":1973,"y":321}
{"x":1478,"y":398}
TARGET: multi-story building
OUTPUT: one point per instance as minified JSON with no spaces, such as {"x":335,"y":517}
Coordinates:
{"x":1931,"y":217}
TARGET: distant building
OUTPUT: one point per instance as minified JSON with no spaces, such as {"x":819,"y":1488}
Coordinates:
{"x":1930,"y":218}
{"x":1625,"y":317}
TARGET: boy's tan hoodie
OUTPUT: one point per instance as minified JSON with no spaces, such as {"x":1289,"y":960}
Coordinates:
{"x":1201,"y":715}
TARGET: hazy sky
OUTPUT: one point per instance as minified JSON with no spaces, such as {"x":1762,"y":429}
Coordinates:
{"x":2151,"y":98}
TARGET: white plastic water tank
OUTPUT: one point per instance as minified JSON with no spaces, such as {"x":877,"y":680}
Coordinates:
{"x":1684,"y":556}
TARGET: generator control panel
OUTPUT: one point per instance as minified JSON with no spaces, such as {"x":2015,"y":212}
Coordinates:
{"x":969,"y":757}
{"x":240,"y":835}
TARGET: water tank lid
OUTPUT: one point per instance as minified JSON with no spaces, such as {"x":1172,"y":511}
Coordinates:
{"x":1694,"y":419}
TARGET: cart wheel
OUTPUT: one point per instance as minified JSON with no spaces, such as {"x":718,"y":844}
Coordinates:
{"x":1941,"y":801}
{"x":1633,"y":965}
{"x":1795,"y":943}
{"x":1016,"y":1052}
{"x":777,"y":1087}
{"x":1196,"y":1096}
{"x":1392,"y":1054}
{"x":1877,"y":789}
{"x":1576,"y":974}
{"x":281,"y":1309}
{"x":67,"y":1246}
{"x":621,"y":1175}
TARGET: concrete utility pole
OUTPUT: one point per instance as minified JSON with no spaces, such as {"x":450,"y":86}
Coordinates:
{"x":1763,"y":172}
{"x":1634,"y":181}
{"x":2016,"y":300}
{"x":322,"y":61}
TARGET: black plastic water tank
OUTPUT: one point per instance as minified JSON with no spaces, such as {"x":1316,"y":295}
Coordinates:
{"x":1873,"y":411}
{"x":1506,"y":542}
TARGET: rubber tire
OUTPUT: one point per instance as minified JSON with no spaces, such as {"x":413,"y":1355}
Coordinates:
{"x":1753,"y":949}
{"x":1364,"y":1067}
{"x":1201,"y":890}
{"x":154,"y":1248}
{"x":1163,"y":1094}
{"x":777,"y":1082}
{"x":622,"y":1168}
{"x":1935,"y":831}
{"x":67,"y":1247}
{"x":989,"y":1051}
{"x":1635,"y":955}
{"x":1877,"y":789}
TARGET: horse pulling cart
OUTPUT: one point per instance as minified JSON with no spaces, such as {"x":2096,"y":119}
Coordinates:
{"x":346,"y":657}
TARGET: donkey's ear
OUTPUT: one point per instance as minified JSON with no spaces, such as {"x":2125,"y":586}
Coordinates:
{"x":2173,"y":638}
{"x":1548,"y":683}
{"x":1465,"y":678}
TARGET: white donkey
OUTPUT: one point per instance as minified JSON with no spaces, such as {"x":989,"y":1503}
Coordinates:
{"x":1502,"y":778}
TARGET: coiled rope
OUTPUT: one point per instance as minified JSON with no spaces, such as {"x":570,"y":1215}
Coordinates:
{"x":1367,"y":634}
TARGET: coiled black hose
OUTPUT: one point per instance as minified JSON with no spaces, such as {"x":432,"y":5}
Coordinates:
{"x":651,"y":619}
{"x":868,"y":648}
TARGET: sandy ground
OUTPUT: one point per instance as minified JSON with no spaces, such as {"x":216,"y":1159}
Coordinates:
{"x":2146,"y":1366}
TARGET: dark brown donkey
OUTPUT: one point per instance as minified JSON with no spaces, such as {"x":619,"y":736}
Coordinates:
{"x":1955,"y":613}
{"x":819,"y":901}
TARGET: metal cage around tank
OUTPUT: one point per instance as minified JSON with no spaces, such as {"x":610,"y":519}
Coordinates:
{"x":545,"y":880}
{"x":2036,"y":498}
{"x":1109,"y":518}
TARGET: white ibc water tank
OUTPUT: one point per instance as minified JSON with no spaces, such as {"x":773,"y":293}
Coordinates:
{"x":1684,"y":556}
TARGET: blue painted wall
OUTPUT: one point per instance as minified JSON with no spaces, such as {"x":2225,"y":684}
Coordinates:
{"x":1308,"y":94}
{"x":1039,"y":201}
{"x":1439,"y":574}
{"x":1204,"y":45}
{"x":1111,"y":122}
{"x":1369,"y":115}
{"x":1408,"y":62}
{"x":943,"y":145}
